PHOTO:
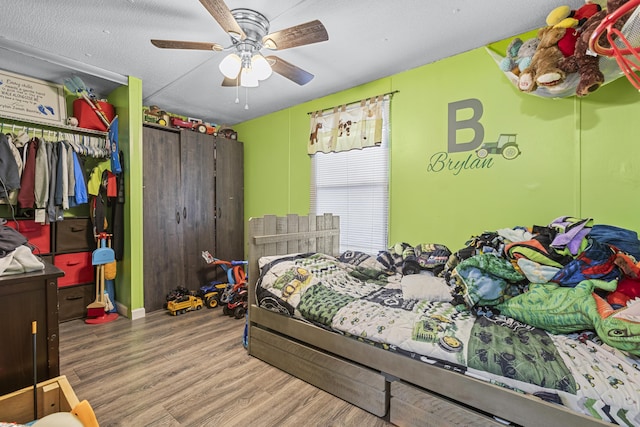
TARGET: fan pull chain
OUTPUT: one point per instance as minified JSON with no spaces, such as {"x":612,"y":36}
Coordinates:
{"x":238,"y":89}
{"x":246,"y":97}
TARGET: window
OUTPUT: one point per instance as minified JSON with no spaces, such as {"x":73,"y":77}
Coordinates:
{"x":355,"y":185}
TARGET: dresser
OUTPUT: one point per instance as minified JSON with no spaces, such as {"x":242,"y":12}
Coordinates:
{"x":68,"y":245}
{"x":25,"y":298}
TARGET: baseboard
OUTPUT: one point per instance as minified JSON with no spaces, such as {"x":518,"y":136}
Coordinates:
{"x":138,"y":313}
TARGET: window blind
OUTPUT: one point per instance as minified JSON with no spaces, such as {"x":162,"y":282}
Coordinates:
{"x":355,"y":185}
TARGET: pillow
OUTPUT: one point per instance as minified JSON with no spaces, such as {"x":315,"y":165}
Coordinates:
{"x":425,"y":286}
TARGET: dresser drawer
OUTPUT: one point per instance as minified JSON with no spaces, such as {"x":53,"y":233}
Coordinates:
{"x":74,"y":235}
{"x":38,"y":235}
{"x":77,"y":268}
{"x":73,"y":301}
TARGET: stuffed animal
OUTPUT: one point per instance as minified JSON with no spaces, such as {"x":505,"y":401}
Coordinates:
{"x":519,"y":55}
{"x":543,"y":70}
{"x":561,"y":310}
{"x":585,"y":62}
{"x":571,"y":21}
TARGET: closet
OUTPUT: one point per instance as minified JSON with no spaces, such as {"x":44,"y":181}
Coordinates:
{"x":193,"y":201}
{"x":67,"y":241}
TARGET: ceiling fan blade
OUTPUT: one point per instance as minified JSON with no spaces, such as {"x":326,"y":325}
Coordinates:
{"x":221,"y":13}
{"x":227,"y":82}
{"x":290,"y":71}
{"x":177,"y":44}
{"x":308,"y":33}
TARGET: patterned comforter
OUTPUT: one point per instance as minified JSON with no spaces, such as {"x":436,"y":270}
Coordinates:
{"x":366,"y":301}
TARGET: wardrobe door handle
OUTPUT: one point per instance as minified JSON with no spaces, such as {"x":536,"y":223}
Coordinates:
{"x":178,"y":217}
{"x":219,"y":213}
{"x":184,"y":212}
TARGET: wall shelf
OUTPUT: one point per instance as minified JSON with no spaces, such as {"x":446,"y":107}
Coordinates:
{"x":50,"y":126}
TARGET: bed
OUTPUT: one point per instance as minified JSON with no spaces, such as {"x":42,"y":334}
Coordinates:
{"x":54,"y":395}
{"x":393,"y":380}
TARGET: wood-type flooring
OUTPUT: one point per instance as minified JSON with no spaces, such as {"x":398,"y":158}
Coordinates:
{"x":189,"y":370}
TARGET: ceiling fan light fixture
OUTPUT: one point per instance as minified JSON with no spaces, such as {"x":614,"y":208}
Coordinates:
{"x":230,"y":66}
{"x":248,"y":78}
{"x":261,"y":67}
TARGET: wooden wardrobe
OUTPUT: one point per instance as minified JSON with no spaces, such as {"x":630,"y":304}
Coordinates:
{"x":193,"y":195}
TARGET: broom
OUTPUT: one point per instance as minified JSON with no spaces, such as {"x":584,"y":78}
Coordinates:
{"x":34,"y":331}
{"x":96,"y":308}
{"x":100,"y":257}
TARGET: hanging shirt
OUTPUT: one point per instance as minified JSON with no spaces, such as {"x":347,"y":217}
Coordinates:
{"x":41,"y":185}
{"x":8,"y":168}
{"x":95,"y":179}
{"x":53,"y":212}
{"x":26,"y":196}
{"x":80,"y":189}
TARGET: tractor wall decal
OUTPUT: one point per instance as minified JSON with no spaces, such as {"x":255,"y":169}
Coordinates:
{"x":505,"y":145}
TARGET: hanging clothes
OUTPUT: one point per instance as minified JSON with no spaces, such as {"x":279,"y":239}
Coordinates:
{"x":26,"y":195}
{"x":41,"y":186}
{"x":80,"y":195}
{"x":53,"y":211}
{"x":62,"y":177}
{"x":71,"y":175}
{"x":8,"y":168}
{"x":117,"y":212}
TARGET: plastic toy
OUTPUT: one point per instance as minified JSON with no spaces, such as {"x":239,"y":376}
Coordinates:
{"x":232,"y":295}
{"x":211,"y":294}
{"x":196,"y":125}
{"x":178,"y":293}
{"x":182,"y":305}
{"x":237,"y":301}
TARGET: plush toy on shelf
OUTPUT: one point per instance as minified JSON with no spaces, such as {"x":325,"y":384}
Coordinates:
{"x":543,"y":70}
{"x":585,"y":62}
{"x":519,"y":55}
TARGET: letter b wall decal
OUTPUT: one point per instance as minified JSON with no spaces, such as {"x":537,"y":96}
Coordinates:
{"x":473,"y":123}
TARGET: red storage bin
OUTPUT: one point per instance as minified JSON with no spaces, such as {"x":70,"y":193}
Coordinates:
{"x":38,"y":235}
{"x":87,"y":118}
{"x":77,"y":268}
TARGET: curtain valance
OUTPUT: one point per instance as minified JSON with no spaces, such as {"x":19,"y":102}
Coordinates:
{"x":347,"y":127}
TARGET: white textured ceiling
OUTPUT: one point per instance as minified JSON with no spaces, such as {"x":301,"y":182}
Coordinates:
{"x":368,"y":39}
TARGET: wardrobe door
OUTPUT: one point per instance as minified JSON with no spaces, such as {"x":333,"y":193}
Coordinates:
{"x":229,"y":199}
{"x":163,"y":222}
{"x":198,"y":213}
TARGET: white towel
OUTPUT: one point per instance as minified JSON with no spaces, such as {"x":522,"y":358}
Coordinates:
{"x":21,"y":260}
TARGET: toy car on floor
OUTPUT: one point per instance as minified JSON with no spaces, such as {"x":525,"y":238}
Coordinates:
{"x":184,"y":304}
{"x":211,"y":294}
{"x":234,"y":295}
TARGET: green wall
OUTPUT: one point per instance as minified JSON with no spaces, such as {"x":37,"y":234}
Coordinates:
{"x":577,"y":155}
{"x":129,"y":279}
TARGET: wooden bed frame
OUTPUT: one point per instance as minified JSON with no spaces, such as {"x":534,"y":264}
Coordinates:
{"x":54,"y":395}
{"x":403,"y":390}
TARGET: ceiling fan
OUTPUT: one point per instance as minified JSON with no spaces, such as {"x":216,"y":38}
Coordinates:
{"x":249,"y":31}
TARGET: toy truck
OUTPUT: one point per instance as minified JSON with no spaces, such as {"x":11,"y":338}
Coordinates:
{"x":193,"y":124}
{"x":211,"y":294}
{"x":184,"y":304}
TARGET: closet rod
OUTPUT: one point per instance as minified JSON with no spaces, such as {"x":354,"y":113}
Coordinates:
{"x":51,"y":126}
{"x":355,"y":102}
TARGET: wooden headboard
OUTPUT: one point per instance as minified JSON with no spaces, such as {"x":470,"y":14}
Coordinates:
{"x":281,"y":235}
